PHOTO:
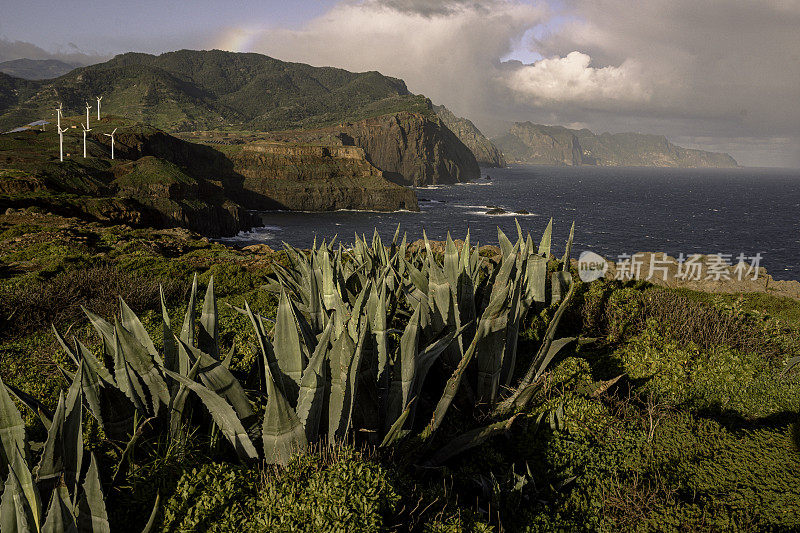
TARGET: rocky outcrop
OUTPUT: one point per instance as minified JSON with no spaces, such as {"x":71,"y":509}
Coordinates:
{"x":315,"y":178}
{"x":410,"y":148}
{"x":482,"y":148}
{"x":555,"y":145}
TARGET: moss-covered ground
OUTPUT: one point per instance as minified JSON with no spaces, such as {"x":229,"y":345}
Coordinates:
{"x":678,"y":417}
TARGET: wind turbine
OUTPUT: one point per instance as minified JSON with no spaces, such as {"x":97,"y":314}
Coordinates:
{"x":61,"y":143}
{"x":85,"y":129}
{"x":112,"y":141}
{"x":58,"y":113}
{"x":87,"y":114}
{"x":98,"y":106}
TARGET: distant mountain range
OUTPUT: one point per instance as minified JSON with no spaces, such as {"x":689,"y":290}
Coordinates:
{"x":36,"y":69}
{"x":536,"y":144}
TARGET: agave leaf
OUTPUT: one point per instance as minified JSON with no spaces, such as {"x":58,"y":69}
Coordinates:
{"x":103,"y":328}
{"x":12,"y":429}
{"x":178,"y":405}
{"x":352,"y":382}
{"x":281,"y":432}
{"x":220,"y":380}
{"x":92,"y":517}
{"x":224,"y":416}
{"x":376,"y":308}
{"x":452,"y":263}
{"x":151,"y":522}
{"x":469,"y":440}
{"x":31,"y":403}
{"x":132,"y":323}
{"x":560,"y":281}
{"x":94,"y":364}
{"x":15,"y":514}
{"x":505,"y":245}
{"x":59,"y":515}
{"x":208,"y":333}
{"x":419,"y":279}
{"x":555,"y":347}
{"x":312,"y":387}
{"x":90,"y":383}
{"x":396,"y":432}
{"x":289,"y":345}
{"x":491,"y":343}
{"x":187,"y":330}
{"x":535,"y":281}
{"x":51,"y":463}
{"x":565,"y":260}
{"x":536,"y":367}
{"x":72,"y":434}
{"x":228,"y":358}
{"x":63,"y":344}
{"x":126,"y":378}
{"x":170,"y":347}
{"x":26,"y":501}
{"x":340,"y":354}
{"x":137,"y":356}
{"x":497,"y":306}
{"x":520,"y":236}
{"x":405,"y":370}
{"x":547,"y":236}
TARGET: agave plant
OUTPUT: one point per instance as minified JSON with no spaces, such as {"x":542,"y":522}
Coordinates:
{"x":73,"y":505}
{"x":371,"y":342}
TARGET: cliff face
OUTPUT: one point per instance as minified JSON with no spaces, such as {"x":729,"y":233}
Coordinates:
{"x":555,"y":145}
{"x":410,"y":148}
{"x":541,"y":145}
{"x":482,"y":148}
{"x":315,"y":178}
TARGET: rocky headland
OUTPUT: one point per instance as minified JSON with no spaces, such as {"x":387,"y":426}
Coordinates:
{"x":537,"y":144}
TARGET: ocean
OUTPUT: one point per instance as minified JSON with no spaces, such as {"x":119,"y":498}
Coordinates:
{"x":616,"y":211}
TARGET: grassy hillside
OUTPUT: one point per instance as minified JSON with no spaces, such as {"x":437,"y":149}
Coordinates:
{"x":189,"y":90}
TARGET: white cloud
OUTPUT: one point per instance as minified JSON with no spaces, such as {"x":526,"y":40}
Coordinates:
{"x":572,"y":79}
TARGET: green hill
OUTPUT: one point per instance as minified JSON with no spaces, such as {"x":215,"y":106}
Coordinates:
{"x":190,"y":90}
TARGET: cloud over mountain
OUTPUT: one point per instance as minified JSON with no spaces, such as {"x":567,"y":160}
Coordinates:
{"x":704,"y":72}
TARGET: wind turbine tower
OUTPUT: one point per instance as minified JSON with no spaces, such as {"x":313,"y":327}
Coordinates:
{"x":61,"y":143}
{"x":85,"y":129}
{"x":112,"y":141}
{"x":98,"y":106}
{"x":58,"y":113}
{"x":88,"y":107}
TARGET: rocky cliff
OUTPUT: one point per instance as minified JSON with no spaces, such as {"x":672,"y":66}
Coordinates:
{"x":315,"y":178}
{"x":536,"y":144}
{"x":482,"y":148}
{"x":409,"y":148}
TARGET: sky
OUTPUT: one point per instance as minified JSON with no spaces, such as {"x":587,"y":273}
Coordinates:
{"x":720,"y":75}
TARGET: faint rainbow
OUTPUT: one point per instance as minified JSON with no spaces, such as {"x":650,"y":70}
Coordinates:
{"x":237,"y":39}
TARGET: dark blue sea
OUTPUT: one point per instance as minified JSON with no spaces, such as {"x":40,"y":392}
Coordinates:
{"x":616,"y":211}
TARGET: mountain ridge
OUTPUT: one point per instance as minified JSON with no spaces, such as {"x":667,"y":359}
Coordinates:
{"x":530,"y":143}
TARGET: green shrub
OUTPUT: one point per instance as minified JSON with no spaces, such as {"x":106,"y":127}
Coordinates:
{"x":334,"y":490}
{"x":214,"y":497}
